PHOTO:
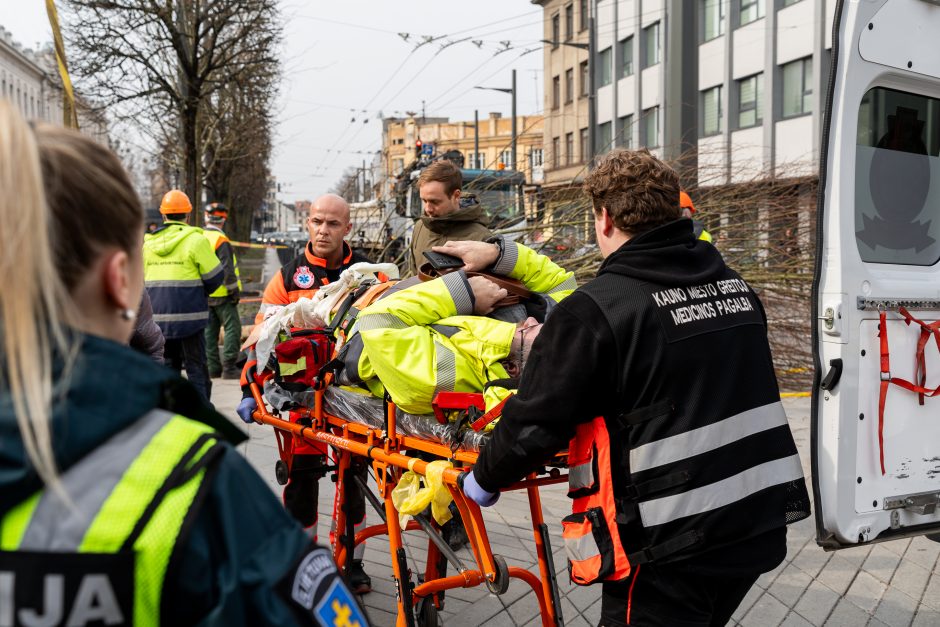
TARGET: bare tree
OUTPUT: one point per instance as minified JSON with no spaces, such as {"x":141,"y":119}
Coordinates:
{"x":160,"y":63}
{"x":238,"y":144}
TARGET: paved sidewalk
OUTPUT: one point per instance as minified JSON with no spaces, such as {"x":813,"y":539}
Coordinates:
{"x":894,"y":583}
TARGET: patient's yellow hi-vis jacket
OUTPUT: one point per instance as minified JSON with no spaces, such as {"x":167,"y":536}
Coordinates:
{"x":422,"y":340}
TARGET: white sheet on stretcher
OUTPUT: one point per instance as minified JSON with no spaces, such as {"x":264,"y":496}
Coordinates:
{"x":370,"y":411}
{"x":312,"y":313}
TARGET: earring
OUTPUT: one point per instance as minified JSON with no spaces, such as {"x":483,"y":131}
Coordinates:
{"x":128,"y":314}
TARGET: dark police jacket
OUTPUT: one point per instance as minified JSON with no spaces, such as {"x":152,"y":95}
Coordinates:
{"x":669,"y":346}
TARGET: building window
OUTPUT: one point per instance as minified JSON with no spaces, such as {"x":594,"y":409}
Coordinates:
{"x":556,"y":30}
{"x":477,"y":160}
{"x":585,"y":79}
{"x":750,"y":101}
{"x":536,"y":158}
{"x":584,"y":14}
{"x":569,"y":148}
{"x":797,"y":87}
{"x":605,"y":66}
{"x":605,"y":137}
{"x":711,"y":111}
{"x":650,"y":127}
{"x":787,"y":3}
{"x":626,"y":57}
{"x":713,"y":19}
{"x":651,"y":45}
{"x":556,"y":151}
{"x":556,"y":92}
{"x":584,"y":145}
{"x":569,"y":85}
{"x":750,"y":10}
{"x":625,"y":132}
{"x":569,"y":22}
{"x":505,"y":157}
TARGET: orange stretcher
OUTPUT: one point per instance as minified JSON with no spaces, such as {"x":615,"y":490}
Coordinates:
{"x":390,"y":454}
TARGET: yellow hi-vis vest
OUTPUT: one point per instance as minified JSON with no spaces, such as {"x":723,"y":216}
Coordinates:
{"x":217,"y":238}
{"x":102,"y":558}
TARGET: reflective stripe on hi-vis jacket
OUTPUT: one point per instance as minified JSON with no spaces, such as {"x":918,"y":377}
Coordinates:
{"x":216,"y":238}
{"x":680,"y":488}
{"x":102,"y":556}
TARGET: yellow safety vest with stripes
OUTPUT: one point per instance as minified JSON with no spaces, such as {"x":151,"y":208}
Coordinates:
{"x":424,"y":340}
{"x":102,"y":555}
{"x":216,"y":238}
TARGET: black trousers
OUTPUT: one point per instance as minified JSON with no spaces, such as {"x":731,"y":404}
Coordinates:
{"x":190,"y":353}
{"x":303,"y":489}
{"x":670,"y":596}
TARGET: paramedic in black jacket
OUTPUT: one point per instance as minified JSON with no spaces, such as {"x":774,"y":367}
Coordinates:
{"x":658,"y":376}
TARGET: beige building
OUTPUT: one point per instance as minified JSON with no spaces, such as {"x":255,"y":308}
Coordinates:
{"x":400,"y":137}
{"x":31,"y":82}
{"x":566,"y":90}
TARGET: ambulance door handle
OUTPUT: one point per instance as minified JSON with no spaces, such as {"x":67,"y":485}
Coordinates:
{"x":831,"y":380}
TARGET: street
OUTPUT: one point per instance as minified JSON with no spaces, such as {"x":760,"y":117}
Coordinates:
{"x":894,"y":583}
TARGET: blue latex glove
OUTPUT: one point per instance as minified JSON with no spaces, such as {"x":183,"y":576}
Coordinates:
{"x":477,"y":494}
{"x":245,"y":408}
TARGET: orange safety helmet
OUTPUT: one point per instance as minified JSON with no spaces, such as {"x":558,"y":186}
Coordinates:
{"x":175,"y":201}
{"x":216,"y":210}
{"x":685,"y":201}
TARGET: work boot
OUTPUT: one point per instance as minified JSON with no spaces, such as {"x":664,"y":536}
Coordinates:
{"x":215,"y":374}
{"x":359,"y":581}
{"x":454,"y":533}
{"x":231,"y":373}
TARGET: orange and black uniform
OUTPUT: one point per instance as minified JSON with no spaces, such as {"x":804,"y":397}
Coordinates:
{"x":297,"y":279}
{"x":683,"y":474}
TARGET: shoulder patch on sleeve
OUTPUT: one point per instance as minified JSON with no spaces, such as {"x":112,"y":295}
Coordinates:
{"x":339,"y":609}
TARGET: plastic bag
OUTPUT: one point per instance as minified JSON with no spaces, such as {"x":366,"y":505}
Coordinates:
{"x":410,"y":499}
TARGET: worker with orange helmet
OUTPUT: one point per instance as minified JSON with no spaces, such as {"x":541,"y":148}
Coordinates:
{"x":223,"y":303}
{"x":180,"y":271}
{"x":698,"y":227}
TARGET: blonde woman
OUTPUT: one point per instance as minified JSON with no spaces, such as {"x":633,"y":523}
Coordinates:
{"x":122,"y":500}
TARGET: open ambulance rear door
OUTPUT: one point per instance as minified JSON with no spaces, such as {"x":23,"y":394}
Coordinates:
{"x":876,"y":293}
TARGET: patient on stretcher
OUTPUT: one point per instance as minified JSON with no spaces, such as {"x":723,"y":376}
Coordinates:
{"x":421,"y":338}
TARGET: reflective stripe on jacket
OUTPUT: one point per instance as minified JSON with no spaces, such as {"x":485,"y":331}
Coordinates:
{"x":180,"y":271}
{"x":424,"y":339}
{"x":129,"y":499}
{"x":223,"y":250}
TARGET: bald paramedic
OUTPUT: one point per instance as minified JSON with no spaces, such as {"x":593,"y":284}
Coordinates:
{"x":325,"y":257}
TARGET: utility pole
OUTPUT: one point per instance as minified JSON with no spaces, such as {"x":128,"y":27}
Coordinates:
{"x":512,"y":92}
{"x":592,"y":87}
{"x":476,"y":138}
{"x":364,"y":191}
{"x":515,"y":164}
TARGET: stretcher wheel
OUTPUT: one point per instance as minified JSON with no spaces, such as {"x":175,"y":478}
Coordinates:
{"x":427,"y":613}
{"x":500,"y":584}
{"x":281,"y":472}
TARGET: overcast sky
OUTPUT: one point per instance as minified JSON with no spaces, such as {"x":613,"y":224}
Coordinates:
{"x":345,"y":63}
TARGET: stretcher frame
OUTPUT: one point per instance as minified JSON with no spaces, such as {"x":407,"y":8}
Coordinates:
{"x":389,"y":453}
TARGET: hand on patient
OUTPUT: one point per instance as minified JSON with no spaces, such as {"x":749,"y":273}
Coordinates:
{"x":476,"y":256}
{"x":486,"y":294}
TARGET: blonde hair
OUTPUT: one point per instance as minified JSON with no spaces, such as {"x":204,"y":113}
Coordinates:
{"x":63,"y":198}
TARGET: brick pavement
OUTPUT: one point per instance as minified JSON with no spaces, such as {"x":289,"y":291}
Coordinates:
{"x":894,"y":584}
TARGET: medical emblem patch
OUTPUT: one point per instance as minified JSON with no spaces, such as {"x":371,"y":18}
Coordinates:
{"x":303,"y":278}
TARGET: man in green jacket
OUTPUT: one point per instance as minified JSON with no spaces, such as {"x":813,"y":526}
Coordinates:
{"x":447,"y":217}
